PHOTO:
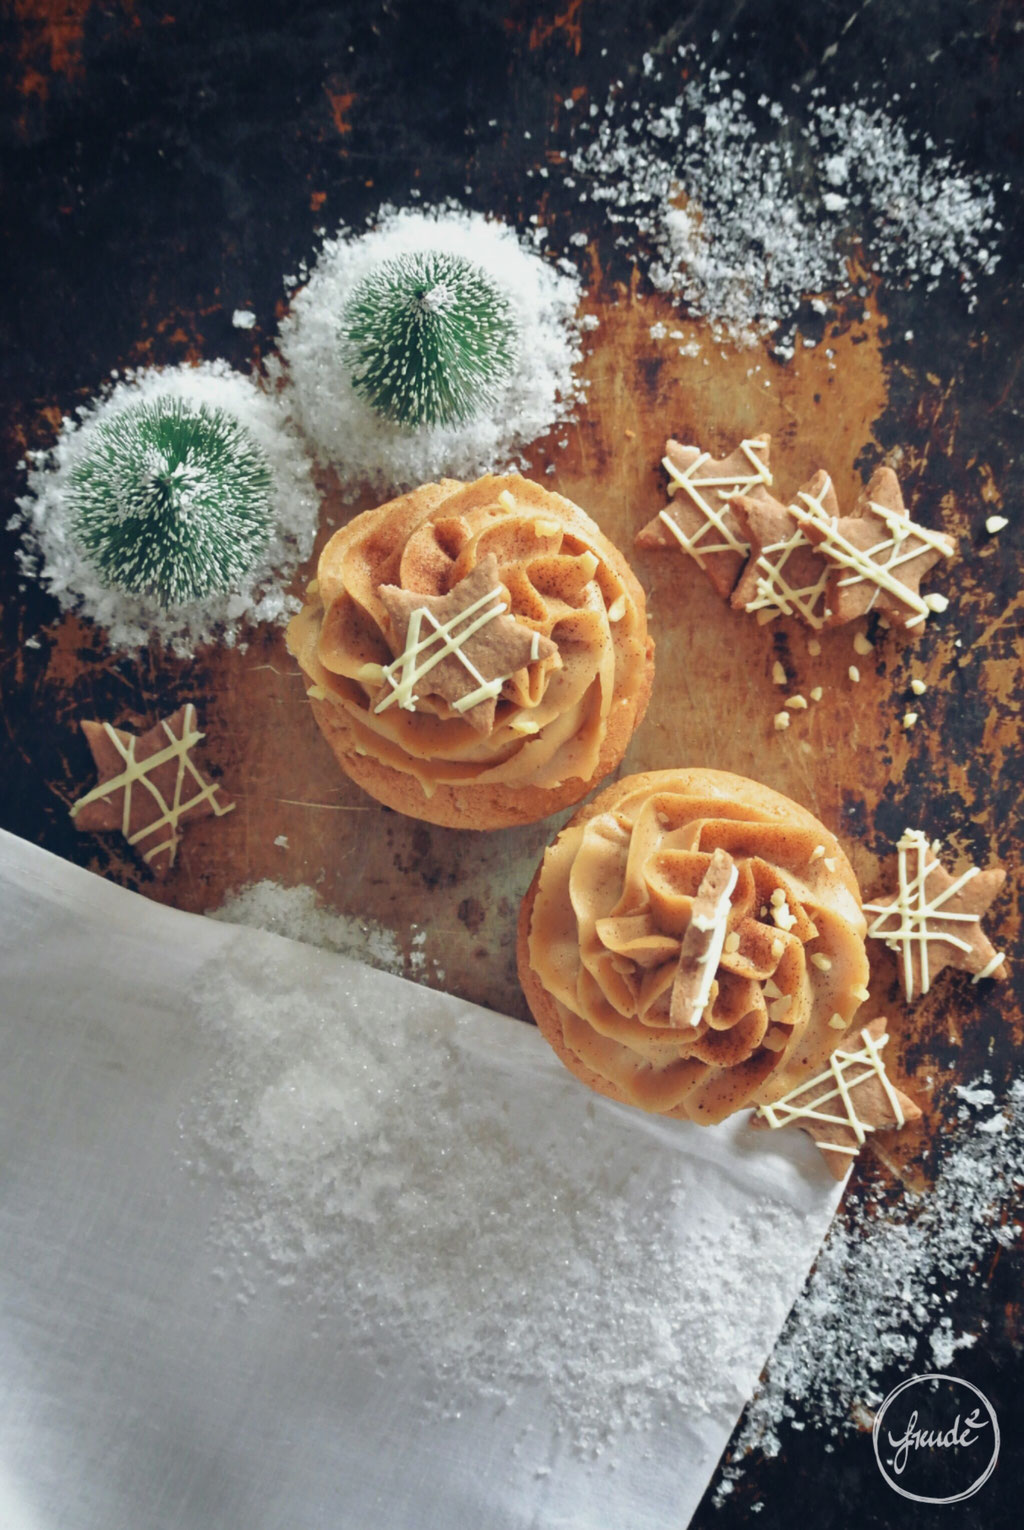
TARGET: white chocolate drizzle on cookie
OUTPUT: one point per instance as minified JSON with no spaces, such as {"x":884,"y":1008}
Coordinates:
{"x":457,"y":619}
{"x":775,"y":593}
{"x":139,"y":772}
{"x":912,"y":909}
{"x":694,"y":486}
{"x":704,"y":941}
{"x":848,"y":1071}
{"x":905,"y":542}
{"x":405,"y":673}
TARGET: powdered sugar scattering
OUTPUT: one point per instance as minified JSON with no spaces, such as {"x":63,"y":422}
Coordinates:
{"x":298,"y":913}
{"x":748,"y":212}
{"x":50,"y":555}
{"x":505,"y":1236}
{"x":883,"y":1278}
{"x":368,"y":449}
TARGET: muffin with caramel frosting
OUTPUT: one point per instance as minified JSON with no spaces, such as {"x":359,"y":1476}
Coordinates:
{"x":477,"y":653}
{"x":693,"y":943}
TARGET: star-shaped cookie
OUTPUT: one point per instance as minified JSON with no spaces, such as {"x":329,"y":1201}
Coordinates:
{"x":785,"y":573}
{"x":698,"y":519}
{"x":877,"y":556}
{"x":149,"y":786}
{"x":933,"y":919}
{"x":461,"y":647}
{"x":838,"y":1108}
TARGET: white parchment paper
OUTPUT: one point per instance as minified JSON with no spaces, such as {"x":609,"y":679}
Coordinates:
{"x":136,"y":1390}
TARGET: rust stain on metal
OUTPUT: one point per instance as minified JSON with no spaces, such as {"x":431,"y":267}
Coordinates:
{"x":52,"y":40}
{"x":566,"y":24}
{"x":341,"y":103}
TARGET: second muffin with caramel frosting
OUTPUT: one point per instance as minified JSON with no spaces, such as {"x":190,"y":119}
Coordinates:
{"x":693,"y":943}
{"x":478,"y":652}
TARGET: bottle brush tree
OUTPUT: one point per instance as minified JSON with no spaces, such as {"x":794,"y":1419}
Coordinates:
{"x":173,"y":500}
{"x":429,"y":339}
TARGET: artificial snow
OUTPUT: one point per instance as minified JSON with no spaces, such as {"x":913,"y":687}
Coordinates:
{"x":44,"y":515}
{"x":743,"y":212}
{"x":367,"y":449}
{"x":298,"y":913}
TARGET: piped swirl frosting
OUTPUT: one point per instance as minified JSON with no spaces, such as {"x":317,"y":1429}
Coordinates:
{"x":611,"y":908}
{"x":558,"y":577}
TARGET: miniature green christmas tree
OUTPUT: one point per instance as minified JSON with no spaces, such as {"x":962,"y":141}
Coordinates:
{"x":172,"y":500}
{"x":429,"y":338}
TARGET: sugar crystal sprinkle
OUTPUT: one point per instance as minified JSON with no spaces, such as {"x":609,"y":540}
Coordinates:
{"x":747,"y":208}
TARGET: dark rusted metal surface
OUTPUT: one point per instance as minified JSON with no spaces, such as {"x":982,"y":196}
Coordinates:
{"x":163,"y":167}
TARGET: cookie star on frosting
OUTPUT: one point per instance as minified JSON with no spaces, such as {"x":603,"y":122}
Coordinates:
{"x":839,"y":1107}
{"x":877,"y":556}
{"x":703,"y":942}
{"x":699,"y":519}
{"x":461,"y":647}
{"x":785,"y":573}
{"x":148,"y":786}
{"x":933,"y":919}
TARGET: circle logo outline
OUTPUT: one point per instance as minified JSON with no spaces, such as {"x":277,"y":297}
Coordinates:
{"x":958,"y":1381}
